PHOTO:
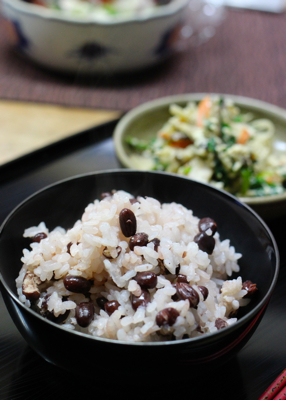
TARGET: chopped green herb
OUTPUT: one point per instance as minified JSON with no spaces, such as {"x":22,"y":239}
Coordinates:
{"x":256,"y":182}
{"x":186,"y":170}
{"x":137,"y":144}
{"x":110,"y":9}
{"x":267,"y":191}
{"x":211,"y":145}
{"x":220,"y":173}
{"x":209,"y":125}
{"x":159,"y":166}
{"x":228,"y":139}
{"x":237,"y":118}
{"x":245,"y":179}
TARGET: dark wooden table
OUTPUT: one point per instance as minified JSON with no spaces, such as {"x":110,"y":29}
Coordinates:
{"x":24,"y":375}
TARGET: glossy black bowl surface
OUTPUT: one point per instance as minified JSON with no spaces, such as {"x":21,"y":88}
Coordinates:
{"x":64,"y":202}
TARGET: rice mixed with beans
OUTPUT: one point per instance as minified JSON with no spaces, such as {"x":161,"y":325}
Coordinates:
{"x":135,"y":270}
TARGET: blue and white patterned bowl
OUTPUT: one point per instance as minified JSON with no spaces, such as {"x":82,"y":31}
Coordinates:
{"x":84,"y":44}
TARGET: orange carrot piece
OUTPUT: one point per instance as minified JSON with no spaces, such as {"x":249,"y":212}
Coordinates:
{"x":204,"y":109}
{"x":181,"y":143}
{"x":243,"y":137}
{"x":272,"y":178}
{"x":164,"y":135}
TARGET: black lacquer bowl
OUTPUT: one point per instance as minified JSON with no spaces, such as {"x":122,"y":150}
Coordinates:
{"x":64,"y":202}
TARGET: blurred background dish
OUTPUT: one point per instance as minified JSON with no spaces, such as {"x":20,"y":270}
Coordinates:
{"x":145,"y":121}
{"x":91,"y":41}
{"x":202,"y":19}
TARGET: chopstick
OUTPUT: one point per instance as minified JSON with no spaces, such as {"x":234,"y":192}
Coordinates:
{"x":281,"y":395}
{"x":276,"y":390}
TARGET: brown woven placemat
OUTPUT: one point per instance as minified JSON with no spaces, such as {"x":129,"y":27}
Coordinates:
{"x":247,"y":56}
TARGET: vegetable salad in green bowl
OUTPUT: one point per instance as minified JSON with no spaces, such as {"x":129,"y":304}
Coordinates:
{"x":235,"y":144}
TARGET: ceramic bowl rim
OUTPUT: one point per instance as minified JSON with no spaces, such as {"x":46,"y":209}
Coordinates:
{"x":208,"y":337}
{"x":144,"y":108}
{"x":54,"y":15}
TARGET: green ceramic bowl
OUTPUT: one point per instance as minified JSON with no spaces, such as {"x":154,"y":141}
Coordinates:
{"x":145,"y":120}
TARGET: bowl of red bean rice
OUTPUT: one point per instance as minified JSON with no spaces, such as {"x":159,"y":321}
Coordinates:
{"x":137,"y":264}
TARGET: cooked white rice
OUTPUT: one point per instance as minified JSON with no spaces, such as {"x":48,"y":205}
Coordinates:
{"x":54,"y":257}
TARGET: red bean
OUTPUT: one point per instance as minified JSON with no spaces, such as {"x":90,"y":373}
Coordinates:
{"x":30,"y":286}
{"x":250,"y":287}
{"x":220,"y":323}
{"x":156,"y":242}
{"x":39,"y":236}
{"x":59,"y":319}
{"x":175,"y":296}
{"x":50,"y":314}
{"x":106,"y":252}
{"x":101,"y":302}
{"x":205,"y":242}
{"x":77,"y":284}
{"x":139,"y":239}
{"x":111,"y":306}
{"x":168,"y":316}
{"x":146,"y":279}
{"x":182,"y":278}
{"x":187,"y":292}
{"x":204,"y":291}
{"x":128,"y":223}
{"x":104,"y":195}
{"x":69,"y":245}
{"x":207,"y":223}
{"x":142,"y":300}
{"x":133,"y":201}
{"x":84,"y":314}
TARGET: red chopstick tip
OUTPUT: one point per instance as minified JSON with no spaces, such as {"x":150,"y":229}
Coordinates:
{"x":281,"y":395}
{"x":275,"y":389}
